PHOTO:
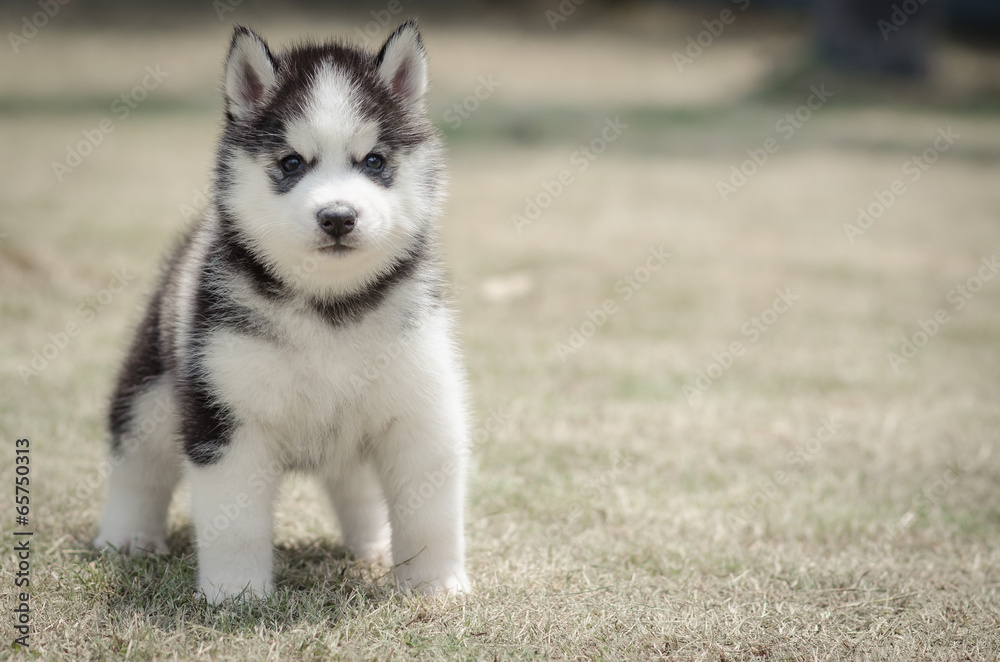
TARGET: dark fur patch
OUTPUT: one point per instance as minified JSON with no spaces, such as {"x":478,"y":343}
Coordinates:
{"x":282,"y":183}
{"x":384,"y":177}
{"x":344,"y":310}
{"x":206,"y":424}
{"x":147,"y":359}
{"x":142,"y":366}
{"x":232,"y":254}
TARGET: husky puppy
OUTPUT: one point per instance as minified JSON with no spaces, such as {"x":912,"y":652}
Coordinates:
{"x":301,"y":326}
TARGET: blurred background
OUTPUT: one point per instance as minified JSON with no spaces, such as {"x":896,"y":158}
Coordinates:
{"x":684,"y":238}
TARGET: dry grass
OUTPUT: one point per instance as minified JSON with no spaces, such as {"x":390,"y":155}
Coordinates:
{"x":609,"y":517}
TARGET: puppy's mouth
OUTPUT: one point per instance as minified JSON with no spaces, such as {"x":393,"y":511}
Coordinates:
{"x":336,"y":248}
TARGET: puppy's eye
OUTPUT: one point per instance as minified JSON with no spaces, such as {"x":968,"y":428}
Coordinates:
{"x":291,"y":164}
{"x":374,"y":162}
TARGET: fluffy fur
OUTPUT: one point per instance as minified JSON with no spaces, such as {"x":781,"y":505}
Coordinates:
{"x":300,"y":327}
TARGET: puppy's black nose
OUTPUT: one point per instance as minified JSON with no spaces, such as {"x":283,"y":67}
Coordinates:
{"x":337,"y":220}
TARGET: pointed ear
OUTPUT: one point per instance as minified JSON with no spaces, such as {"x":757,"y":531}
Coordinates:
{"x":251,"y":73}
{"x":402,"y":63}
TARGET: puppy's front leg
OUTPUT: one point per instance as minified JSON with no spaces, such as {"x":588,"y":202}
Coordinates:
{"x":232,"y":504}
{"x":422,"y":468}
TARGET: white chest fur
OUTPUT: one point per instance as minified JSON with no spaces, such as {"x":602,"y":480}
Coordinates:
{"x":320,"y":389}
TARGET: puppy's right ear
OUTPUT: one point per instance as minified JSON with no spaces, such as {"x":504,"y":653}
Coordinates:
{"x":251,"y":73}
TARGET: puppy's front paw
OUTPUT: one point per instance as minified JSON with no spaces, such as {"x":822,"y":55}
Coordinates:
{"x":377,"y":553}
{"x":131,"y":542}
{"x":218,"y":592}
{"x":430,"y":581}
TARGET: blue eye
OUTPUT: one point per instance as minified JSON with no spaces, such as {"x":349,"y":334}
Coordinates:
{"x":374,"y":162}
{"x":291,"y":164}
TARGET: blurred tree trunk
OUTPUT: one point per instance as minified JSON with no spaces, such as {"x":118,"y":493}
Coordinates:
{"x":883,"y":37}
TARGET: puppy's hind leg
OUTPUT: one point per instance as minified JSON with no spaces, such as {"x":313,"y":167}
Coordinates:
{"x":364,"y":521}
{"x":145,"y":468}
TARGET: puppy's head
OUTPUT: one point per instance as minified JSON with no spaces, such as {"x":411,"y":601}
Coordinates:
{"x":329,"y":170}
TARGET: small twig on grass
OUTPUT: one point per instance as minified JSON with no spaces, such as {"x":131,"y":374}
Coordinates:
{"x":871,"y":602}
{"x":592,"y":590}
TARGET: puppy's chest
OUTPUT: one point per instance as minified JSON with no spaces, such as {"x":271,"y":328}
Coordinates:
{"x":305,"y":375}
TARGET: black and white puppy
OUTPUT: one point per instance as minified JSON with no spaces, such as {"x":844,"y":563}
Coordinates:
{"x":301,"y":326}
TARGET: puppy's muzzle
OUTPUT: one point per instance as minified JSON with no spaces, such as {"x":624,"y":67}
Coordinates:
{"x":337,"y":220}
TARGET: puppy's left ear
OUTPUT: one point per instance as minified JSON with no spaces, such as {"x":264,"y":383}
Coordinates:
{"x":402,"y":63}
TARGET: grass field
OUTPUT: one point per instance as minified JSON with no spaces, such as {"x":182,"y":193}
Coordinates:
{"x":643,"y":489}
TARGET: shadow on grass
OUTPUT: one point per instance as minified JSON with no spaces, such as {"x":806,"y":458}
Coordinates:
{"x":317,"y":582}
